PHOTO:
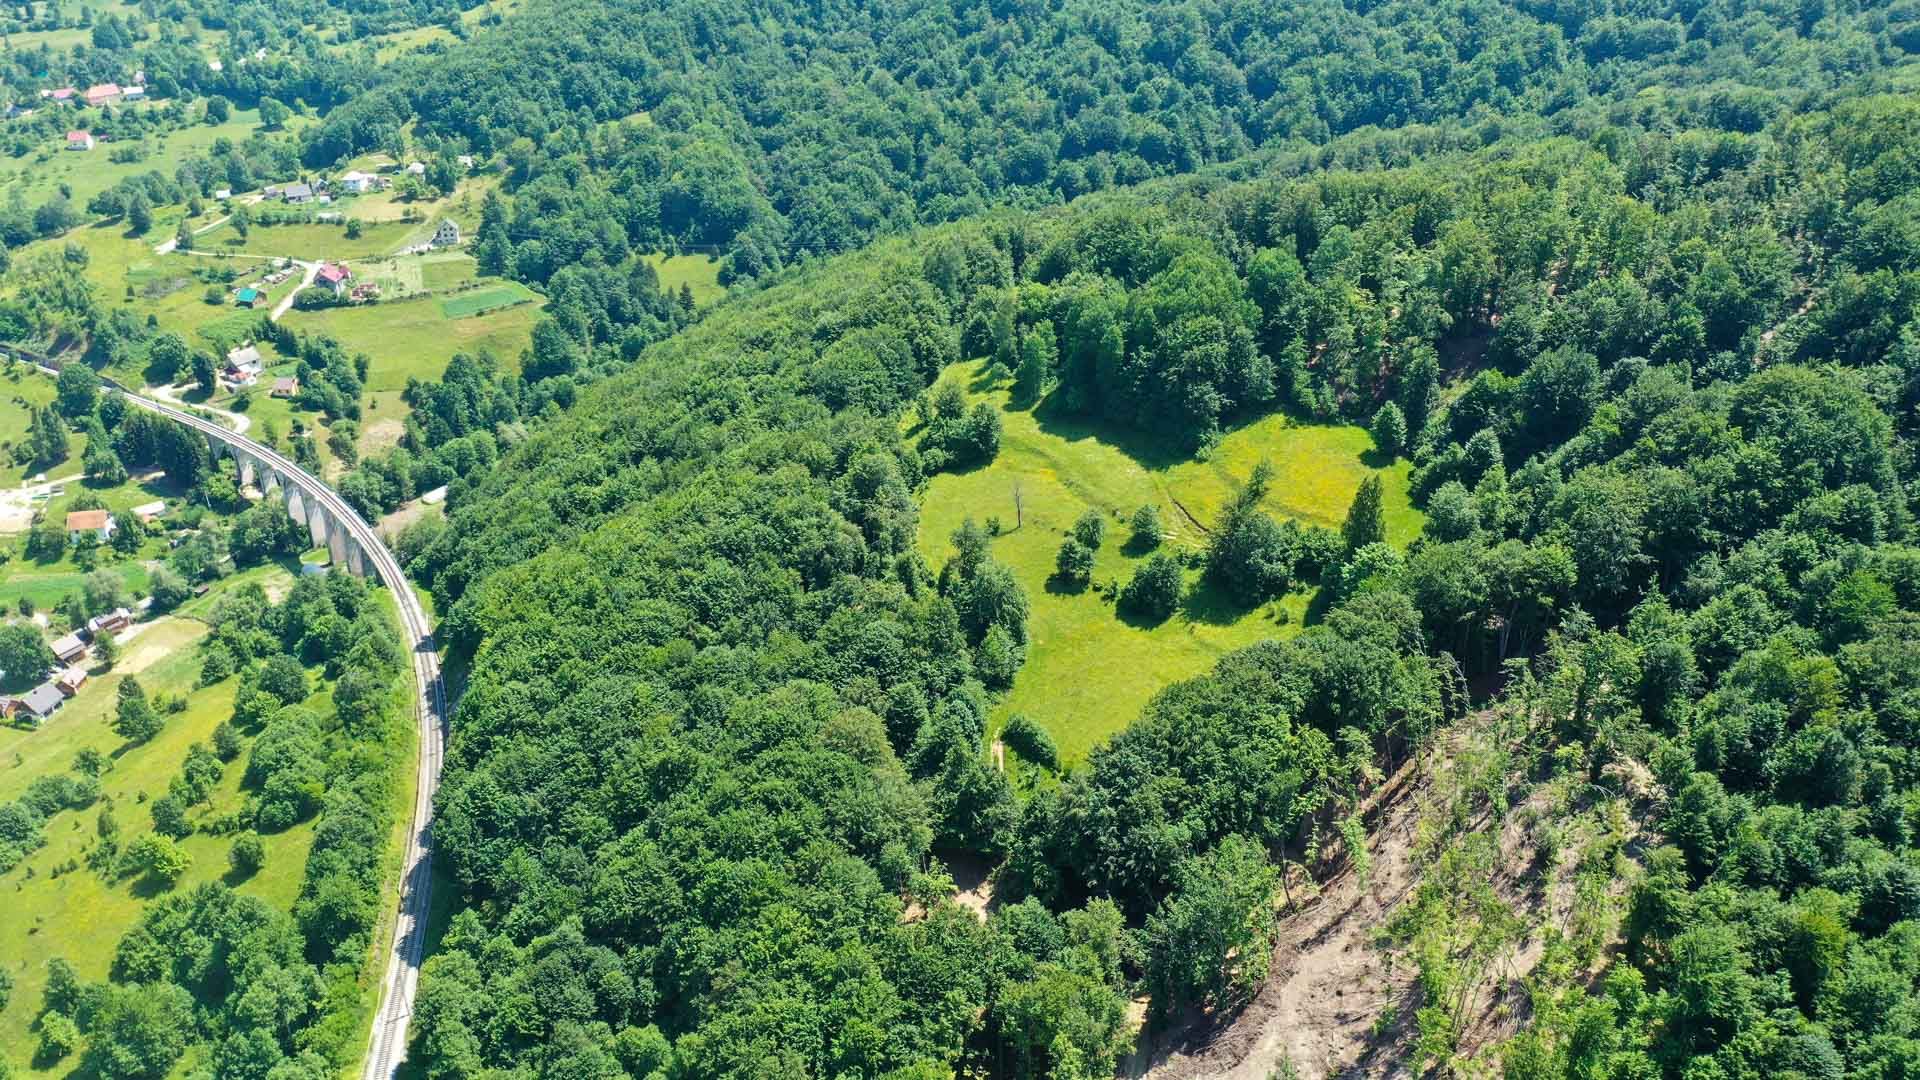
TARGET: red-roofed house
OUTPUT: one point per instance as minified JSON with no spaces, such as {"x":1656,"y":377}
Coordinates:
{"x":334,"y":276}
{"x":98,"y":522}
{"x":103,"y":93}
{"x":65,"y":93}
{"x":79,"y":140}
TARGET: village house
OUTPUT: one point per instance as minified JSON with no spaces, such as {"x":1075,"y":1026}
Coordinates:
{"x":133,"y":93}
{"x":102,"y":94}
{"x":249,"y":297}
{"x":99,"y":523}
{"x":79,"y":140}
{"x":285,"y":386}
{"x":244,"y":364}
{"x":334,"y":276}
{"x":63,"y":96}
{"x":357,"y":182}
{"x":69,"y":648}
{"x":111,"y":623}
{"x":42,"y":701}
{"x":417,"y":168}
{"x":71,"y":680}
{"x":447,"y":233}
{"x":147,"y":512}
{"x":297,"y":193}
{"x":223,"y":193}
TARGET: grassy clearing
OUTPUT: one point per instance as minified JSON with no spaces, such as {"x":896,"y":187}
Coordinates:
{"x":309,"y":241}
{"x":48,"y":584}
{"x":701,"y":273}
{"x":77,"y":915}
{"x":392,"y":46}
{"x":168,"y":287}
{"x":463,"y":205}
{"x":482,"y":300}
{"x":445,"y":270}
{"x":414,"y":338}
{"x":1089,"y":671}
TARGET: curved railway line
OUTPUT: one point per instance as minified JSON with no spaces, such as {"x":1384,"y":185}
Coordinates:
{"x":407,"y":947}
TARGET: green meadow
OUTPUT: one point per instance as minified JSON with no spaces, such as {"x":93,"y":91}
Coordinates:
{"x":1089,"y":671}
{"x":487,"y":298}
{"x":700,"y":273}
{"x":415,"y":338}
{"x":87,"y":173}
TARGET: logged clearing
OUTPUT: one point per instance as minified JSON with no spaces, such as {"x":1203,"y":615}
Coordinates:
{"x":1345,"y":981}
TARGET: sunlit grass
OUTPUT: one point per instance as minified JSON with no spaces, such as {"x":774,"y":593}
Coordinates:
{"x":1089,"y":671}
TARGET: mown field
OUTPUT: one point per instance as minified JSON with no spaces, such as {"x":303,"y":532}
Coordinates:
{"x":1089,"y":671}
{"x":485,"y":299}
{"x":405,"y":275}
{"x":308,"y":241}
{"x":415,"y":338}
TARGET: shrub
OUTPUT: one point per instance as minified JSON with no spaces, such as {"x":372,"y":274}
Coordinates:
{"x":1030,"y":741}
{"x":1154,"y":592}
{"x":247,"y":855}
{"x":1148,"y":532}
{"x":1090,"y":529}
{"x":1074,"y":564}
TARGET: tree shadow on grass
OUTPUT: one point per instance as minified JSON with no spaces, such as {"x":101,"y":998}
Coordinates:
{"x":1142,"y":620}
{"x":1206,"y":602}
{"x":1318,"y":607}
{"x":983,"y":380}
{"x":1150,"y":451}
{"x":1060,"y":585}
{"x":148,"y":886}
{"x":1376,"y":458}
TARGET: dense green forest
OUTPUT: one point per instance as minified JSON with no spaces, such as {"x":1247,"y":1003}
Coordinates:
{"x":792,"y":129}
{"x":1633,"y":287}
{"x":723,"y":724}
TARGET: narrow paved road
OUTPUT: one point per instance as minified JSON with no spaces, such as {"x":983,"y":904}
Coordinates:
{"x":407,"y":947}
{"x":286,"y":302}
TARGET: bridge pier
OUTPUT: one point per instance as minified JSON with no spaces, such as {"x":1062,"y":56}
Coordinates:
{"x":309,"y":512}
{"x":337,"y":543}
